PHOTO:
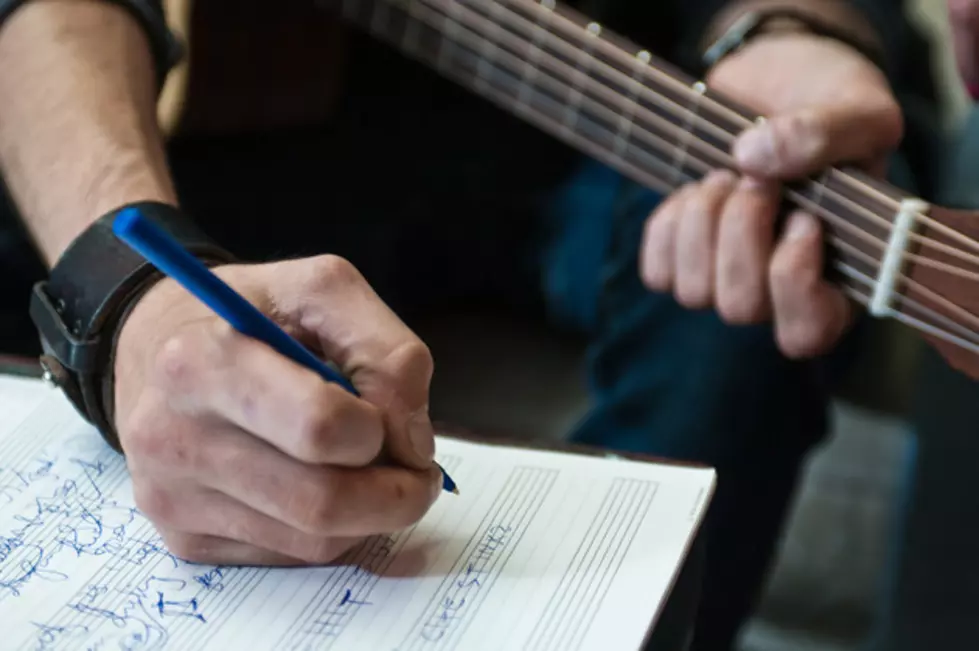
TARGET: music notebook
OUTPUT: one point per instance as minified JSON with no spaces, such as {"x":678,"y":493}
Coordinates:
{"x":541,"y":550}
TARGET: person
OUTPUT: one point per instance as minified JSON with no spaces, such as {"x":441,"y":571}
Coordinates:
{"x":356,"y":212}
{"x":964,"y":26}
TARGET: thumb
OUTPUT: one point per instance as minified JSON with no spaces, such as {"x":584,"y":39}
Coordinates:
{"x":794,"y":145}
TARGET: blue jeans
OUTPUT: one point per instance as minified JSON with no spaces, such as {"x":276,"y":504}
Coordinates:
{"x":681,"y":384}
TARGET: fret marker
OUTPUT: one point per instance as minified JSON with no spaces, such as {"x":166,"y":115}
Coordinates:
{"x":644,"y":56}
{"x":700,"y":88}
{"x":889,"y":271}
{"x":760,"y":120}
{"x":594,"y":29}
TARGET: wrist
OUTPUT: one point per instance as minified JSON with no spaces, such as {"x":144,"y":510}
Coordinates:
{"x":832,"y":19}
{"x":91,"y":291}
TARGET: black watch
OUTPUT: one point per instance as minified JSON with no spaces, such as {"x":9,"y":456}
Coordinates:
{"x":754,"y":23}
{"x":80,"y":309}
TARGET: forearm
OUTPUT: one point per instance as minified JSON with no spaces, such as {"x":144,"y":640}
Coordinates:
{"x":845,"y":15}
{"x":78,"y":126}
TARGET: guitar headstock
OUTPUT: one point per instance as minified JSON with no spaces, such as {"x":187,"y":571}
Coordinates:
{"x":941,"y":285}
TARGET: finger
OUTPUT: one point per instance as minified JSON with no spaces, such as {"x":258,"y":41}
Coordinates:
{"x":744,"y":246}
{"x":810,"y":314}
{"x":195,"y":548}
{"x":696,"y":238}
{"x":659,"y":239}
{"x":321,"y":500}
{"x":198,"y":514}
{"x":793,"y":145}
{"x":328,"y":299}
{"x":214,"y":370}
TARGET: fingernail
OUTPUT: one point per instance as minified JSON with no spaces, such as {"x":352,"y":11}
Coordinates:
{"x":755,"y":149}
{"x":421,"y":436}
{"x":801,"y":226}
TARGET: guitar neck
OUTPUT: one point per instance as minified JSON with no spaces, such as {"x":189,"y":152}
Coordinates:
{"x":619,"y":104}
{"x":586,"y":86}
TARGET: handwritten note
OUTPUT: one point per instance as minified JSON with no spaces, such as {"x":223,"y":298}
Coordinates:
{"x":540,"y":551}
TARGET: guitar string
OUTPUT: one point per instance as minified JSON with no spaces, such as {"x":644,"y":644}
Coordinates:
{"x":556,"y":66}
{"x":665,"y":103}
{"x":574,"y":31}
{"x":905,"y":317}
{"x":897,"y":313}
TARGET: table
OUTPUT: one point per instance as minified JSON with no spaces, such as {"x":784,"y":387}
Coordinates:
{"x":676,"y":620}
{"x":19,"y":366}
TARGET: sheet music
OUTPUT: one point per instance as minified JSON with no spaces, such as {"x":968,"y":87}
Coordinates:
{"x":540,"y":551}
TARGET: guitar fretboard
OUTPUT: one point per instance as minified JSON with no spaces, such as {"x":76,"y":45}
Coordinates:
{"x":619,"y":104}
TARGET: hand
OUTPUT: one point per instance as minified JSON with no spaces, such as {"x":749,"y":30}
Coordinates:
{"x":238,"y":455}
{"x":964,"y":23}
{"x":712,"y":243}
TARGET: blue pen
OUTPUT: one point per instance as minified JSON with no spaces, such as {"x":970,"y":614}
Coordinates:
{"x":167,"y":255}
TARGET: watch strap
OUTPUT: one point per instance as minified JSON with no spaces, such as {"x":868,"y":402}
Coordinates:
{"x":80,"y":309}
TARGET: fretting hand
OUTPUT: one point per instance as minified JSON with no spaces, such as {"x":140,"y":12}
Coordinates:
{"x":713,"y":244}
{"x":239,"y":455}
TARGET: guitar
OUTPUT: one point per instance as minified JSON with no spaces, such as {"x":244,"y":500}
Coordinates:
{"x":896,"y":255}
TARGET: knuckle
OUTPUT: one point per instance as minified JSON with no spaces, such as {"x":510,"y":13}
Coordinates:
{"x":409,"y":503}
{"x":318,"y":506}
{"x":151,"y":437}
{"x":413,"y":359}
{"x":317,"y":420}
{"x":318,"y":551}
{"x":187,"y":547}
{"x":744,"y":307}
{"x":156,"y":503}
{"x":720,"y":178}
{"x":692,"y":298}
{"x":333,"y":270}
{"x":175,"y":364}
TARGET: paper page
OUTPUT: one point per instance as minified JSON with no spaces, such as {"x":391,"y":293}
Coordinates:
{"x":539,"y":551}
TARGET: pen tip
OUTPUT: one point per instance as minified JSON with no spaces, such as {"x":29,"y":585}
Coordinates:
{"x":455,"y":491}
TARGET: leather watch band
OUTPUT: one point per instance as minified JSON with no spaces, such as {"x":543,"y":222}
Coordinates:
{"x":166,"y":47}
{"x":79,"y":310}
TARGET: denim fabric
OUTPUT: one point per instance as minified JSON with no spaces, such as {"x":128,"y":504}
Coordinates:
{"x":681,"y":384}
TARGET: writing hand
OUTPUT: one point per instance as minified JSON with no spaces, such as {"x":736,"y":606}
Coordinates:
{"x":713,"y":242}
{"x":238,"y":455}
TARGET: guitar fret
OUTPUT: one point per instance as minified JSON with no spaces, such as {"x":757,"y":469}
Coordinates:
{"x":530,"y":69}
{"x":680,"y":154}
{"x":488,"y":47}
{"x":582,"y":73}
{"x":625,"y":121}
{"x":410,"y":38}
{"x":448,"y":47}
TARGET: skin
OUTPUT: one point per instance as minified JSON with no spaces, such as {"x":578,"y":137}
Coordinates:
{"x":712,"y":243}
{"x":964,"y":24}
{"x":238,"y":455}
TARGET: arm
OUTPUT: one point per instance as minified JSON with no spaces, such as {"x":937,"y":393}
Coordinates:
{"x":78,"y":125}
{"x":880,"y":24}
